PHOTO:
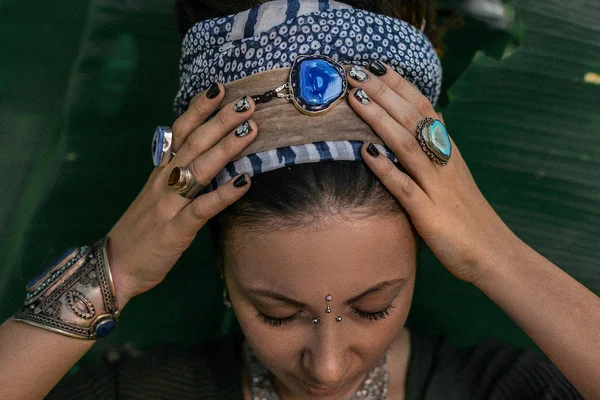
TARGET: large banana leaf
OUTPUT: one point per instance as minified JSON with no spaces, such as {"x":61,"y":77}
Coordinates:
{"x":527,"y":125}
{"x":529,"y":128}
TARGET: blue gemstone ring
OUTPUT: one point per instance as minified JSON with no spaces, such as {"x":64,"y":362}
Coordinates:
{"x":434,"y":139}
{"x":316,"y":85}
{"x":161,"y":144}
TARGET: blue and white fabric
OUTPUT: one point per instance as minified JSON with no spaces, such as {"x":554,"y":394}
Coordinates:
{"x":272,"y":35}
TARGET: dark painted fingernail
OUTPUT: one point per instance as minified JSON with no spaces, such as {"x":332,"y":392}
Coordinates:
{"x":243,"y":130}
{"x":242,"y":105}
{"x":377,"y":68}
{"x":372,"y":150}
{"x":213,"y":91}
{"x":240,"y":181}
{"x":357,"y":72}
{"x":362,"y":96}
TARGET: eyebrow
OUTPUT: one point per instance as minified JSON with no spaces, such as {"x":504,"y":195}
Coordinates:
{"x":280,"y":297}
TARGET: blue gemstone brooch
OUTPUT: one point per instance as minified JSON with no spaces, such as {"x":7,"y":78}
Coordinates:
{"x":315,"y":86}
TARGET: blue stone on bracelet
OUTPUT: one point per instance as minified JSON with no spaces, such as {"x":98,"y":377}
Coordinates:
{"x":33,"y":281}
{"x":105,"y":327}
{"x":316,"y":83}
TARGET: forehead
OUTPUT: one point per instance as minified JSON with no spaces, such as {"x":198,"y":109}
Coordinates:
{"x":349,"y":254}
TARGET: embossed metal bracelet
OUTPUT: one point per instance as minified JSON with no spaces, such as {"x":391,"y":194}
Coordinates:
{"x":74,"y":296}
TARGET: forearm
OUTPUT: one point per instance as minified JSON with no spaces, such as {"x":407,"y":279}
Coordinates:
{"x":33,"y":360}
{"x":558,"y":313}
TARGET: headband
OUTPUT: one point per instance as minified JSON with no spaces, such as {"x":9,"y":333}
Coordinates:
{"x":253,"y":50}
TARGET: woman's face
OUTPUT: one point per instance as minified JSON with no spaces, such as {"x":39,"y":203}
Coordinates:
{"x":278,"y":282}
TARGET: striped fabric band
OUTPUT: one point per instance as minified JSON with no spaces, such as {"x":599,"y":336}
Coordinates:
{"x":269,"y":160}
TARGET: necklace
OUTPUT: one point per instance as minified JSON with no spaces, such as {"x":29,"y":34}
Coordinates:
{"x":374,"y":387}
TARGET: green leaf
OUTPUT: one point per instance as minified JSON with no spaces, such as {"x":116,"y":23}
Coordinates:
{"x":529,"y":128}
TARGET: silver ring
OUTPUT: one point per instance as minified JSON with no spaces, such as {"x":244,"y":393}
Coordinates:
{"x":434,"y":140}
{"x":161,"y":144}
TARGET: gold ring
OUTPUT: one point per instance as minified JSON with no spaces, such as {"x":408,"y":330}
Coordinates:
{"x":182,"y":181}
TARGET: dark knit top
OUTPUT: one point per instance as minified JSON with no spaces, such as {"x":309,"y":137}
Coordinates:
{"x":437,"y":370}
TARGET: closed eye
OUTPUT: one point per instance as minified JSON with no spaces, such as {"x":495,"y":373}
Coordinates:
{"x":374,"y":316}
{"x":277,"y":321}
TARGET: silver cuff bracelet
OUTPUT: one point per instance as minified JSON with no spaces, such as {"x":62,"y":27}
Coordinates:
{"x":75,"y":296}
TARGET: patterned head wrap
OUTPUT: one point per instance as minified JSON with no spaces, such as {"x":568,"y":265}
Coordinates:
{"x":272,"y":35}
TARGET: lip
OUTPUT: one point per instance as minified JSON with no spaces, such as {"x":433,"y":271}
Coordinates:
{"x":321,"y":391}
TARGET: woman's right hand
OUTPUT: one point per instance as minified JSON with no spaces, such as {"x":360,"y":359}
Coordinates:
{"x":160,"y":224}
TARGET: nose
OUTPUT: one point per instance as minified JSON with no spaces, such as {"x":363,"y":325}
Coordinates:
{"x":325,"y":357}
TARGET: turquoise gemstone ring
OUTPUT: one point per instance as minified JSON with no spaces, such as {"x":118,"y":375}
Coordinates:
{"x":316,"y":84}
{"x":434,"y":139}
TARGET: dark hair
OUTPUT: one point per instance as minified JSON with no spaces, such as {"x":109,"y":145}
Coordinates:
{"x":299,"y":195}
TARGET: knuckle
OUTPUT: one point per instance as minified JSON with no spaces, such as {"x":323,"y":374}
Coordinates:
{"x":198,"y":106}
{"x":411,"y":145}
{"x":388,"y":169}
{"x":222,"y":120}
{"x":407,"y":185}
{"x":200,"y":209}
{"x":194,"y":141}
{"x":222,"y":197}
{"x":399,"y":85}
{"x":381,"y":90}
{"x":411,"y":117}
{"x":424,"y":105}
{"x":178,"y":127}
{"x":228,"y":146}
{"x":380,"y":115}
{"x":196,"y":171}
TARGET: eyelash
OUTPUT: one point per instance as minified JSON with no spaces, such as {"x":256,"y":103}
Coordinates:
{"x":277,"y":321}
{"x":375,"y":316}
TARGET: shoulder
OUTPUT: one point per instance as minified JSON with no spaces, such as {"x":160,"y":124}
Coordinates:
{"x":489,"y":370}
{"x":207,"y":371}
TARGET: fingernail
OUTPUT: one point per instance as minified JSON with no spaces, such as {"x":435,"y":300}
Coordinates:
{"x":243,"y":130}
{"x":242,"y":105}
{"x":213,"y":91}
{"x":357,"y":72}
{"x":372,"y":150}
{"x":240,"y":181}
{"x":377,"y":68}
{"x":362,"y":96}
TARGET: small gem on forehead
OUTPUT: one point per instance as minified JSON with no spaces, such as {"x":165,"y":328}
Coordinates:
{"x":328,"y":297}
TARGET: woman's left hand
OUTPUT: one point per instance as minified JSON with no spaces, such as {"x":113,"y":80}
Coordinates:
{"x":444,"y":203}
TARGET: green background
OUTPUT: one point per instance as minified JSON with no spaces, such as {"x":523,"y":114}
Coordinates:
{"x":84,"y":83}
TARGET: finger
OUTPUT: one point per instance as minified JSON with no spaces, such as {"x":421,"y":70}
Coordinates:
{"x":396,"y":106}
{"x":441,"y":118}
{"x":403,"y":88}
{"x":206,"y":166}
{"x":211,"y":132}
{"x":402,"y":143}
{"x":193,"y":217}
{"x":409,"y":194}
{"x":200,"y":107}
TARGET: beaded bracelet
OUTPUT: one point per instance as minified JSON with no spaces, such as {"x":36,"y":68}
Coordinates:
{"x":74,"y":296}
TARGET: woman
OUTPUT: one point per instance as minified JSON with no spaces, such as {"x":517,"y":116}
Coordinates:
{"x":318,"y":257}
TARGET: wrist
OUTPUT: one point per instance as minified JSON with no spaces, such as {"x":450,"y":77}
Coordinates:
{"x":510,"y":251}
{"x":124,"y":289}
